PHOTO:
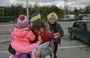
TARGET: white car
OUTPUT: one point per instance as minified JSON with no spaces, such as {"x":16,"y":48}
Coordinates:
{"x":69,"y":17}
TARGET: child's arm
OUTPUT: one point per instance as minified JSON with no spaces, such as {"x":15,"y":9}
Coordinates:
{"x":28,"y":48}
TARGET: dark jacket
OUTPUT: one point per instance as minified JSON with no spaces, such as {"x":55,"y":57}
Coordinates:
{"x":55,"y":28}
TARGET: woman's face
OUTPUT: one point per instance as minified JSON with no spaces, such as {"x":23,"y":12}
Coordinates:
{"x":52,"y":20}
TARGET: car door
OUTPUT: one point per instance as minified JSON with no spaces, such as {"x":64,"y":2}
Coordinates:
{"x":83,"y":35}
{"x":75,"y":29}
{"x":83,"y":29}
{"x":88,"y":29}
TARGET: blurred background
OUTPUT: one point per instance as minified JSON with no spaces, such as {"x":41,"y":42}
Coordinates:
{"x":73,"y":16}
{"x":65,"y":9}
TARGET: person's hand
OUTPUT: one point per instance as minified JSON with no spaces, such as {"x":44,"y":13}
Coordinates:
{"x":56,"y":37}
{"x":17,"y":53}
{"x":39,"y":42}
{"x":49,"y":31}
{"x":39,"y":39}
{"x":57,"y":34}
{"x":37,"y":54}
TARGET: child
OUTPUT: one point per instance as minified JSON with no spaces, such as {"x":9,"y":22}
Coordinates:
{"x":22,"y":36}
{"x":44,"y":36}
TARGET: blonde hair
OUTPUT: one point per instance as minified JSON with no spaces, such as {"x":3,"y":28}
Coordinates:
{"x":52,"y":15}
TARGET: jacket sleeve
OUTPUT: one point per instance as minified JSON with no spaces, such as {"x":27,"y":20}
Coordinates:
{"x":49,"y":50}
{"x":31,"y":36}
{"x":46,"y":36}
{"x":26,"y":49}
{"x":60,"y":30}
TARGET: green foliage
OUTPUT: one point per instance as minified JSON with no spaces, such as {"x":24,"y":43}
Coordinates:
{"x":44,"y":11}
{"x":87,"y":10}
{"x":76,"y":12}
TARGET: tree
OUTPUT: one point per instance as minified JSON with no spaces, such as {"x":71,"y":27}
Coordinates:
{"x":87,"y":10}
{"x":15,"y":10}
{"x":76,"y":12}
{"x":81,"y":11}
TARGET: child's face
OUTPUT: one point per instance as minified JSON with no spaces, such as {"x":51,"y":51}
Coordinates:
{"x":39,"y":31}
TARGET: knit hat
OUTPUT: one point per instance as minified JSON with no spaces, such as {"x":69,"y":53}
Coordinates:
{"x":22,"y":21}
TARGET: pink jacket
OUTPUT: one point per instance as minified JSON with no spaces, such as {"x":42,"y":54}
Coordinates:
{"x":21,"y":40}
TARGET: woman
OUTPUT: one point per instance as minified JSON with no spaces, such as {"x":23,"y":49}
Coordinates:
{"x":54,"y":27}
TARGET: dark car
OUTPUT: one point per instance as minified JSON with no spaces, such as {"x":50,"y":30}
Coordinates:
{"x":80,"y":30}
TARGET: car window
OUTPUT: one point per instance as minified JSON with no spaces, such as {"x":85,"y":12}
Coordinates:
{"x":76,"y":24}
{"x":82,"y":25}
{"x":66,"y":16}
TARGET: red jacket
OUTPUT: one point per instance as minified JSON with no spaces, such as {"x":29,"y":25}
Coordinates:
{"x":46,"y":36}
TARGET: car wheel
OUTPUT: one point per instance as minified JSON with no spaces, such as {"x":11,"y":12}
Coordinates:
{"x":72,"y":36}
